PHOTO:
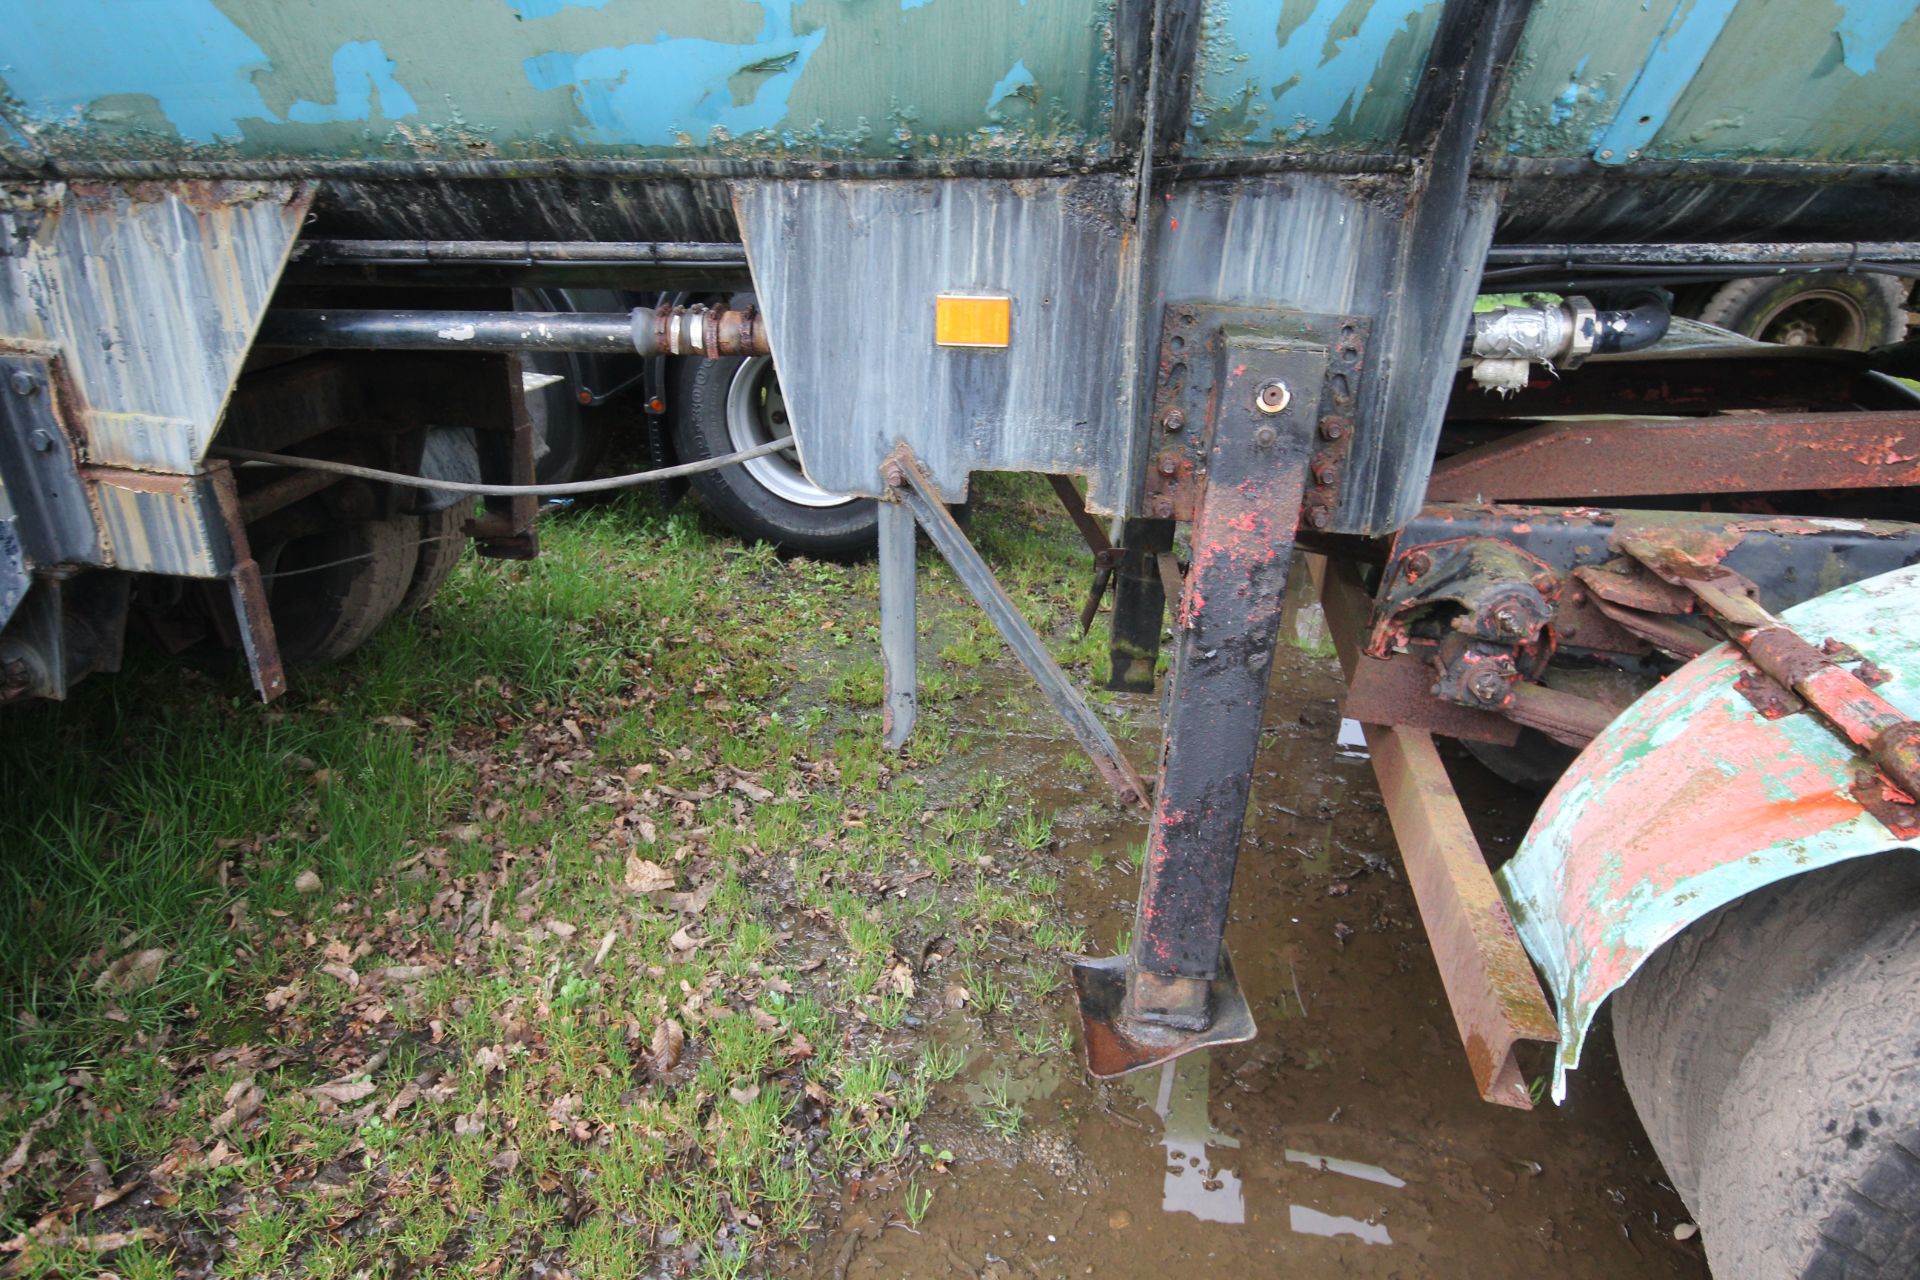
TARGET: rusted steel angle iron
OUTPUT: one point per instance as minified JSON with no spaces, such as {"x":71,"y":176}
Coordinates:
{"x":1744,"y":453}
{"x":1840,"y":698}
{"x":1496,"y":997}
{"x":910,"y":485}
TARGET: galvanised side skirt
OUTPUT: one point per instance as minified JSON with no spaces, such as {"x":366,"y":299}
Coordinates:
{"x":1691,"y":799}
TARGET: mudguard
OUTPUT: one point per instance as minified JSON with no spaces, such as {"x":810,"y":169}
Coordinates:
{"x":1692,"y":798}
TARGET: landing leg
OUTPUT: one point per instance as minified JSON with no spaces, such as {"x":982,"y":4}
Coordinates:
{"x":1174,"y":991}
{"x":1139,"y":605}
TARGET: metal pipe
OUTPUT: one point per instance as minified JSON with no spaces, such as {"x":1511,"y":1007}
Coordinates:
{"x":662,"y":331}
{"x":522,"y":253}
{"x":1690,"y":255}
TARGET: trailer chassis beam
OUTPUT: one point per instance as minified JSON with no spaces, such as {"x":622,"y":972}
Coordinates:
{"x":1496,"y":999}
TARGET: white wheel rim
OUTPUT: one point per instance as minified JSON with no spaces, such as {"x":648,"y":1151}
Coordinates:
{"x":757,"y":413}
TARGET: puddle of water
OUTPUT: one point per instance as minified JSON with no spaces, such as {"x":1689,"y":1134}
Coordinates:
{"x":1352,"y":1168}
{"x":1312,"y":1222}
{"x":1347,"y":1139}
{"x":1177,"y":1092}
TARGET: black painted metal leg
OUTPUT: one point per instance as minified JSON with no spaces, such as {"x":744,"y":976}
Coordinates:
{"x":1177,"y":992}
{"x":1139,"y":605}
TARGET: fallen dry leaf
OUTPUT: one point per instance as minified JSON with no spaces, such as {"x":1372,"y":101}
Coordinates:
{"x":343,"y":972}
{"x":746,"y":1095}
{"x":243,"y":1099}
{"x":684,"y":941}
{"x":752,"y":791}
{"x":397,"y":722}
{"x":344,"y":1090}
{"x":561,"y":929}
{"x":132,"y":972}
{"x":307,"y":882}
{"x":669,"y":1040}
{"x":407,"y":972}
{"x":646,"y":877}
{"x":695,"y":902}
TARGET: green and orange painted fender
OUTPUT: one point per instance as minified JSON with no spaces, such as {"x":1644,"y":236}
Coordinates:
{"x":1692,"y":798}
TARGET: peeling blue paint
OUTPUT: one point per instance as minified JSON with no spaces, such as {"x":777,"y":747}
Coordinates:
{"x":361,"y":72}
{"x":1686,"y":39}
{"x":913,"y":4}
{"x":1568,"y":99}
{"x":1313,"y":78}
{"x":1017,"y":78}
{"x":1868,"y":26}
{"x":187,"y":56}
{"x":547,"y":8}
{"x":656,"y":94}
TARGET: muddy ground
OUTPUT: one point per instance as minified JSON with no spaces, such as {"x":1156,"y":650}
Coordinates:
{"x":1346,"y":1140}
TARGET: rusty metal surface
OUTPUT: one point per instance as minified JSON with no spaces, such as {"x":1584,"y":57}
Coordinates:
{"x":1841,"y":698}
{"x":43,"y":492}
{"x":1693,"y":798}
{"x":258,"y":639}
{"x":1565,"y":717}
{"x":1497,"y":1001}
{"x":911,"y":486}
{"x":1116,"y":1043}
{"x":1398,"y":691}
{"x":1225,"y":627}
{"x":1745,"y":453}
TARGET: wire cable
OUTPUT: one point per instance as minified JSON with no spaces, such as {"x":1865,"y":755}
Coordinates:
{"x":603,"y":485}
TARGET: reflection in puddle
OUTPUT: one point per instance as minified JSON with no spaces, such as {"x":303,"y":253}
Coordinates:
{"x":1352,"y":1168}
{"x":1192,"y":1185}
{"x":1312,"y":1222}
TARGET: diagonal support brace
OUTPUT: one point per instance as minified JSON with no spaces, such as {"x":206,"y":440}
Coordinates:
{"x":909,"y":487}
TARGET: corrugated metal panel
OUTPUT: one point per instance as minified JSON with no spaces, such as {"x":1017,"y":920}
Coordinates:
{"x":847,"y":274}
{"x":151,"y":294}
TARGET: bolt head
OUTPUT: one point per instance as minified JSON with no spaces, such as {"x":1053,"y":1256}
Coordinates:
{"x":1332,"y":428}
{"x":1487,"y":686}
{"x":1319,"y":517}
{"x":1272,"y":397}
{"x":1326,"y":471}
{"x":893,"y":475}
{"x":1418,"y":563}
{"x":1509,"y":620}
{"x":1173,"y":420}
{"x":1169,"y":466}
{"x":23,"y":383}
{"x":1265,"y":437}
{"x":41,"y":441}
{"x":1163,"y":508}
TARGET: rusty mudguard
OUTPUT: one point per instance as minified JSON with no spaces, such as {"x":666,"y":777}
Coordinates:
{"x":1693,"y":798}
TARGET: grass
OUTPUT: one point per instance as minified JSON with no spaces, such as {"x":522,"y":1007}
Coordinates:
{"x":378,"y":954}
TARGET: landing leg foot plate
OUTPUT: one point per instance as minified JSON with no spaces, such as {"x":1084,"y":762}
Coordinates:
{"x":1117,"y":1043}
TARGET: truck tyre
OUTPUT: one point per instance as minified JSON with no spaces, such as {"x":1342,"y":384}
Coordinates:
{"x":1773,"y":1053}
{"x":570,"y":442}
{"x":443,"y":540}
{"x":328,"y":592}
{"x":727,"y":405}
{"x":1855,"y":312}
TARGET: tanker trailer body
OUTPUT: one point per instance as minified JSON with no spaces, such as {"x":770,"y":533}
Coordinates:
{"x":1216,"y":258}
